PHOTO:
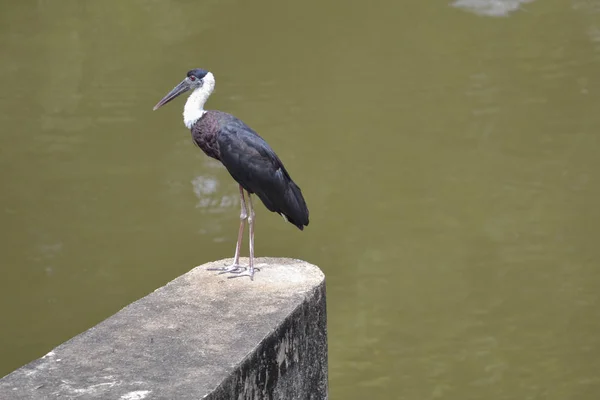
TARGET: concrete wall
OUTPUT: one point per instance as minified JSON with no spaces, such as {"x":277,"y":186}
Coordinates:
{"x":201,"y":336}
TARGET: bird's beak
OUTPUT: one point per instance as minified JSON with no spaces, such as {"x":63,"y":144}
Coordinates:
{"x":183,"y":87}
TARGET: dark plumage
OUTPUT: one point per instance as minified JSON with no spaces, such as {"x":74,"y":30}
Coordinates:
{"x":247,"y":157}
{"x":252,"y":163}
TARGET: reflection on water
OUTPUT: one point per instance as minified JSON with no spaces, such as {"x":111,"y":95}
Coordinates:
{"x":205,"y":189}
{"x":450,"y":168}
{"x":491,"y":8}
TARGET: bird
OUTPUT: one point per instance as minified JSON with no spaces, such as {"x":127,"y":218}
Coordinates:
{"x":248,"y":158}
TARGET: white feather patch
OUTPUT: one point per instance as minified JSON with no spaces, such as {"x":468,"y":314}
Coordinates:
{"x":194,"y":106}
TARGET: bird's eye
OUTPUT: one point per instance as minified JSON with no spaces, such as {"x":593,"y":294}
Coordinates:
{"x":192,"y":78}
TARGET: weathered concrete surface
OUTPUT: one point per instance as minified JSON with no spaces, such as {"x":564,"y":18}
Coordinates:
{"x":202,"y":336}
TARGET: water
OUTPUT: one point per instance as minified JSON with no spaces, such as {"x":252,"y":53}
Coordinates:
{"x":448,"y":154}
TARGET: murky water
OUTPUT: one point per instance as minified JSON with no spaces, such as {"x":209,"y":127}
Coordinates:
{"x":448,"y":154}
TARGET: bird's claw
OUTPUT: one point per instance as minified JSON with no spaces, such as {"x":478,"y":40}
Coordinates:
{"x":246,"y":272}
{"x":233,"y":269}
{"x":237,"y":269}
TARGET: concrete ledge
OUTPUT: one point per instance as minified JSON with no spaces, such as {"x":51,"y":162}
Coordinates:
{"x":201,"y":336}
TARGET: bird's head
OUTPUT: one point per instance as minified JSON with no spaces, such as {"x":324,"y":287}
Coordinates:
{"x":195,"y":79}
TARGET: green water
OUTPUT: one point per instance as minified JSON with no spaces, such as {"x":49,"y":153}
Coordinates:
{"x":448,"y":155}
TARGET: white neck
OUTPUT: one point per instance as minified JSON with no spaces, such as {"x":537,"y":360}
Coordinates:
{"x":194,"y":106}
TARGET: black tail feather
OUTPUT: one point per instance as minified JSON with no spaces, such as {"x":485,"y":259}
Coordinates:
{"x":296,"y":211}
{"x":287,"y":200}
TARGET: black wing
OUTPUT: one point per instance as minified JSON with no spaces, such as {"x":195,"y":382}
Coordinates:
{"x":255,"y":166}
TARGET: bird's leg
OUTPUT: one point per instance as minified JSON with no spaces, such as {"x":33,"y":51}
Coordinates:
{"x":236,"y":267}
{"x":250,"y":271}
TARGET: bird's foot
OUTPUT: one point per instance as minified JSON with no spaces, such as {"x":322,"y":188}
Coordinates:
{"x":232,"y":269}
{"x":245,"y":272}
